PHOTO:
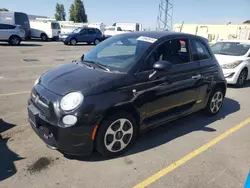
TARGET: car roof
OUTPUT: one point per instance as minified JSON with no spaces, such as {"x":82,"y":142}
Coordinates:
{"x":237,"y":41}
{"x":159,"y":34}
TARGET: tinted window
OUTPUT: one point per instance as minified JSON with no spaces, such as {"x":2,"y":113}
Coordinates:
{"x":84,"y":31}
{"x":6,"y":26}
{"x":230,"y":48}
{"x":55,"y":25}
{"x":91,"y":31}
{"x":98,"y":31}
{"x":22,"y":19}
{"x":200,"y":51}
{"x":174,"y":51}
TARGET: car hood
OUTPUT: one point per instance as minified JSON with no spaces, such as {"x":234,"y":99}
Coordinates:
{"x":78,"y":77}
{"x":225,"y":59}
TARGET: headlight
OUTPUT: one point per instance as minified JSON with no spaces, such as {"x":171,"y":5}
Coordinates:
{"x":231,"y":65}
{"x":37,"y":81}
{"x":71,"y":101}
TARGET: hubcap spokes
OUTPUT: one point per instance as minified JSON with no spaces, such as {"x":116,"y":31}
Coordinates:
{"x":118,"y":135}
{"x":15,"y":41}
{"x":216,"y":102}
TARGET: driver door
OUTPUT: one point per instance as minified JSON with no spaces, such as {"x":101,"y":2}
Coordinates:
{"x":174,"y":92}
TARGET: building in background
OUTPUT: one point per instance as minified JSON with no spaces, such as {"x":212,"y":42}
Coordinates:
{"x":217,"y":32}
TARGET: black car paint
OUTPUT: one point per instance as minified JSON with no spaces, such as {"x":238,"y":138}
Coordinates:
{"x":167,"y":96}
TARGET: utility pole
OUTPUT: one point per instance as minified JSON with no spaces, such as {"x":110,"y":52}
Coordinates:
{"x":165,"y":15}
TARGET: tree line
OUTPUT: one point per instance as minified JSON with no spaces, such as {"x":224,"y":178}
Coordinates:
{"x":76,"y":12}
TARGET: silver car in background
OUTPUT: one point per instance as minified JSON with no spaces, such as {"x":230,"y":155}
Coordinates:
{"x":13,"y":34}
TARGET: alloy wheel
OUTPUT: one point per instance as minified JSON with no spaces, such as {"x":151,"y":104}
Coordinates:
{"x":15,"y":40}
{"x":73,"y":42}
{"x":97,"y":41}
{"x":242,"y":77}
{"x":216,"y":102}
{"x":118,"y":135}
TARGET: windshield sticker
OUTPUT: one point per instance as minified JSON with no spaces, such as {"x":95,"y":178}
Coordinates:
{"x":147,"y":39}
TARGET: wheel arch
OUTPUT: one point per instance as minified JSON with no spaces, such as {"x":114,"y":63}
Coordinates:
{"x":221,"y":85}
{"x":128,"y":108}
{"x":43,"y":34}
{"x":14,"y":36}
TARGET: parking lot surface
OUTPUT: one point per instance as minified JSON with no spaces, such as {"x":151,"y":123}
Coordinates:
{"x":195,"y":151}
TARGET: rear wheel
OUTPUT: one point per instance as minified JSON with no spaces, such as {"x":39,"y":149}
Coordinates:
{"x":242,"y":78}
{"x":215,"y":102}
{"x":116,"y":135}
{"x":73,"y":42}
{"x":14,"y":40}
{"x":44,"y":37}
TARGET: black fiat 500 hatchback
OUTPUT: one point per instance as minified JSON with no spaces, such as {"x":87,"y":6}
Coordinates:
{"x":124,"y":85}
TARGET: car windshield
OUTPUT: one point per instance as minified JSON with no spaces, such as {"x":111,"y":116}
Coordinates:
{"x":77,"y":30}
{"x":118,"y":53}
{"x":230,"y":48}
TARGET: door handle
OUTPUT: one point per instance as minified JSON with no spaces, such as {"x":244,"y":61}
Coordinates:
{"x":196,"y":76}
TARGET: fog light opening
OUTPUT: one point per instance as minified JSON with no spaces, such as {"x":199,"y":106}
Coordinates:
{"x":69,"y":120}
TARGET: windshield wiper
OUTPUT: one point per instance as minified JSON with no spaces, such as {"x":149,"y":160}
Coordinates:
{"x":98,"y":64}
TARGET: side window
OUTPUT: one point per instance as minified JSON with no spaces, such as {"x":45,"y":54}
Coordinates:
{"x":6,"y":26}
{"x":200,"y":51}
{"x":91,"y":31}
{"x":98,"y":31}
{"x":84,"y":31}
{"x":175,"y":51}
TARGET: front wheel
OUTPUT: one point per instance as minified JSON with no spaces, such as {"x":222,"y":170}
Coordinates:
{"x":116,"y":135}
{"x":242,"y":78}
{"x":73,"y":42}
{"x":215,"y":102}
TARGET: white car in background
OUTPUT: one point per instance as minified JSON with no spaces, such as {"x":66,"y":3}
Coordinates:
{"x":13,"y":34}
{"x":234,"y":58}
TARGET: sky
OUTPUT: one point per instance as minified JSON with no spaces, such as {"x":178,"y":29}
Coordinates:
{"x":143,"y":11}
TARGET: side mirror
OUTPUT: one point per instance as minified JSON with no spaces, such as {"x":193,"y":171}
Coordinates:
{"x":82,"y":57}
{"x":161,"y":66}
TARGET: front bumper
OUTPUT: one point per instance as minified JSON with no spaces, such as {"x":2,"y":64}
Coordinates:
{"x":232,"y":75}
{"x":74,"y":140}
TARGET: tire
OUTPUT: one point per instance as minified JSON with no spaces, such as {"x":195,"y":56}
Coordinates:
{"x":14,"y":40}
{"x":73,"y":42}
{"x":215,"y":102}
{"x":97,"y":41}
{"x":44,"y":37}
{"x":109,"y":145}
{"x":242,"y":78}
{"x":65,"y":43}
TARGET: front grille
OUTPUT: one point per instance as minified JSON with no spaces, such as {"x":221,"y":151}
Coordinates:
{"x":41,"y":103}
